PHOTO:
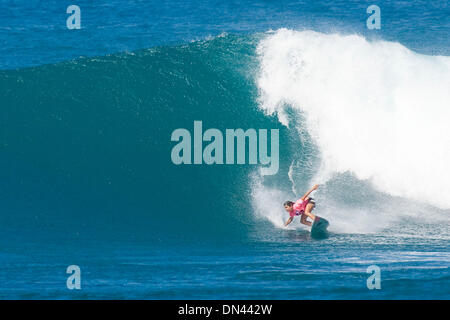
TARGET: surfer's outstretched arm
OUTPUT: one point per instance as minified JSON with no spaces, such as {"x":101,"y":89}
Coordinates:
{"x":309,"y":191}
{"x":289,"y":221}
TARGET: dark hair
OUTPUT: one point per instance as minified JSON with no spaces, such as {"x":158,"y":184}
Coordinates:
{"x":288,"y":203}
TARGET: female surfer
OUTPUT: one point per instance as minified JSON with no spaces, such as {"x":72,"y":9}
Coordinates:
{"x":302,"y":207}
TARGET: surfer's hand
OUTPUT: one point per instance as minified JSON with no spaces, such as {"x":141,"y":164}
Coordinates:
{"x":288,"y":221}
{"x":315,"y":187}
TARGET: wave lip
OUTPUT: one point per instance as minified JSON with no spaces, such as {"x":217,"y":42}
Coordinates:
{"x":373,"y":108}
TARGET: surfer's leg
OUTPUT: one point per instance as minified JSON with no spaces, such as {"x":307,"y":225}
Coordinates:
{"x":308,"y":209}
{"x":304,"y":221}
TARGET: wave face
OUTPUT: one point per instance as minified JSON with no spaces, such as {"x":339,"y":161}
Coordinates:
{"x":86,"y":144}
{"x":377,"y":115}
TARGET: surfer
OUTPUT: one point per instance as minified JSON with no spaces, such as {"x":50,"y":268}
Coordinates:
{"x":302,"y":207}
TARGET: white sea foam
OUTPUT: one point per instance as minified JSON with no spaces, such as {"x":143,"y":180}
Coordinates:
{"x":374,"y":109}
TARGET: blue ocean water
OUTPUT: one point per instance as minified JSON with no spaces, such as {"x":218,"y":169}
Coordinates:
{"x":86,"y":176}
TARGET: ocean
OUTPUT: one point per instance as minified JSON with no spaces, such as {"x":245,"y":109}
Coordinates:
{"x":87,"y":178}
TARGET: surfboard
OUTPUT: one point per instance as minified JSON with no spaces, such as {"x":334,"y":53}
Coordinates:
{"x":319,"y":228}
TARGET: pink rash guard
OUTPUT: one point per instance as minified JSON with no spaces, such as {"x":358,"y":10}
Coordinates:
{"x":299,"y":207}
